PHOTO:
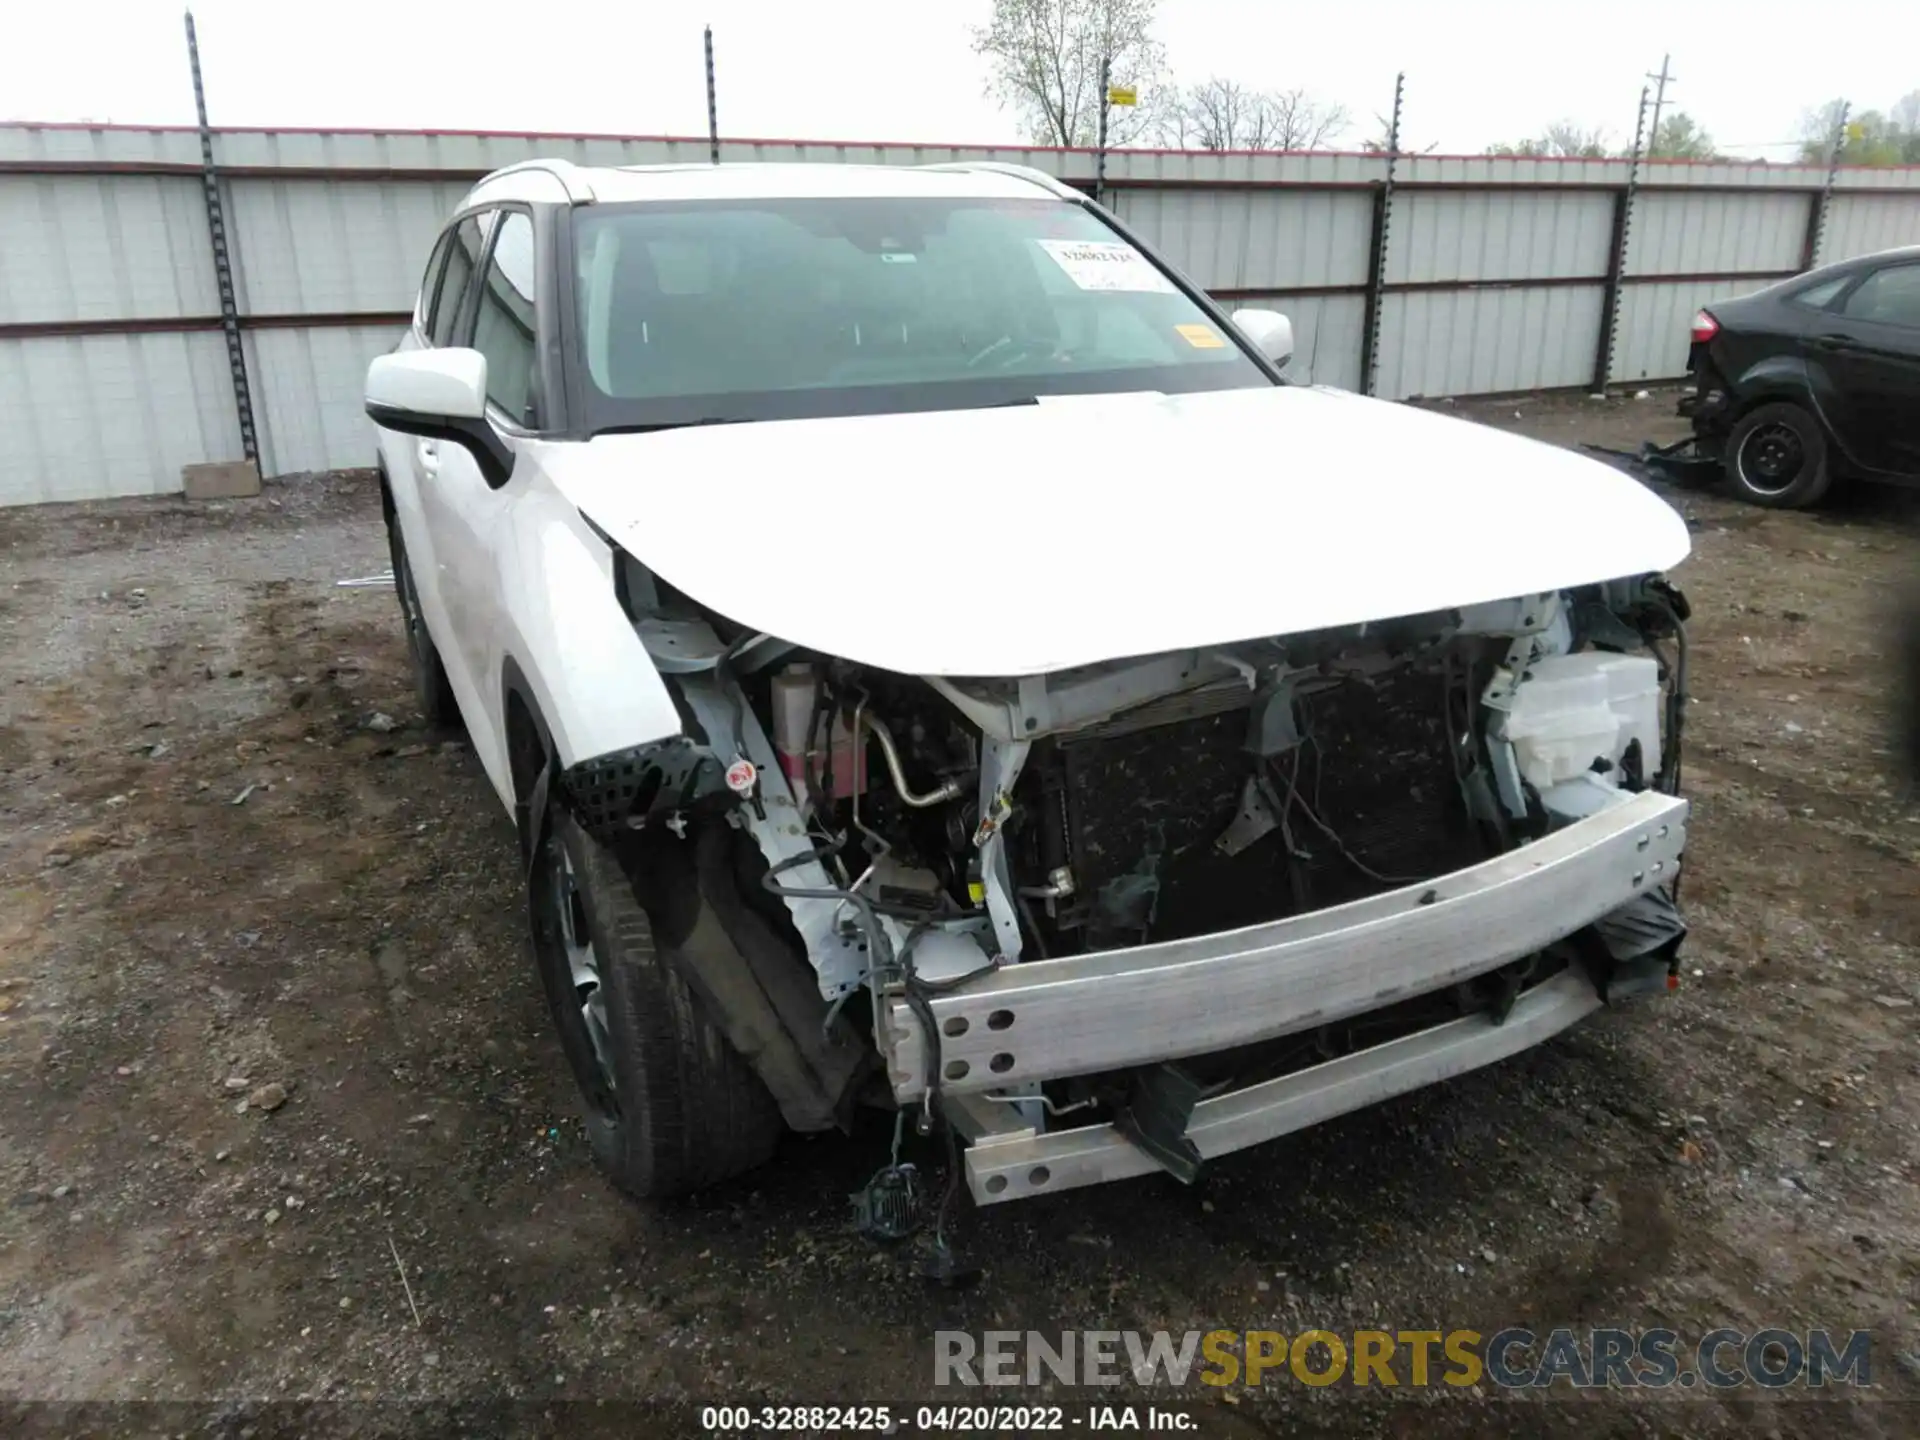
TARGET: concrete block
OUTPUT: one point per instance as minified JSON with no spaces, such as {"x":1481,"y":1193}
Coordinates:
{"x":222,"y":481}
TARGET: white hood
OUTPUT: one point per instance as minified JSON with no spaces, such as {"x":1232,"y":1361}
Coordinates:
{"x":1038,"y":537}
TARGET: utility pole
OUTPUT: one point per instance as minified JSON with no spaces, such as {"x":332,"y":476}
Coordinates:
{"x":1659,"y":99}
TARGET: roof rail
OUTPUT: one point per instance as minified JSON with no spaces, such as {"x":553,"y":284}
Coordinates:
{"x":572,"y":179}
{"x":1051,"y":183}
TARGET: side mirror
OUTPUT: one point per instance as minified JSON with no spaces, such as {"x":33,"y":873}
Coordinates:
{"x":1269,"y":330}
{"x":439,"y":395}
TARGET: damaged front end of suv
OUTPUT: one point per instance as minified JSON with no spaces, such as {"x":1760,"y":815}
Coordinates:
{"x":1132,"y":915}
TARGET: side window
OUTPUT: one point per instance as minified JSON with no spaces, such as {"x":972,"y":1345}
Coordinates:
{"x":1891,"y":296}
{"x":1820,"y":296}
{"x":463,"y":255}
{"x":430,"y":283}
{"x":503,"y":328}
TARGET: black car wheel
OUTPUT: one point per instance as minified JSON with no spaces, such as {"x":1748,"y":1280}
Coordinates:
{"x":670,"y":1105}
{"x":1777,"y":456}
{"x":430,"y":681}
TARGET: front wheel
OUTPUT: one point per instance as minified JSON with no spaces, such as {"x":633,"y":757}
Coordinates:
{"x":1777,"y":457}
{"x":670,"y":1105}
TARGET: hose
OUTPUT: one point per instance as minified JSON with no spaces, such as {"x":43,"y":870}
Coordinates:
{"x":919,"y":997}
{"x":950,"y":790}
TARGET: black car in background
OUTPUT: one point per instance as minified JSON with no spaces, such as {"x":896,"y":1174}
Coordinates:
{"x":1813,"y":380}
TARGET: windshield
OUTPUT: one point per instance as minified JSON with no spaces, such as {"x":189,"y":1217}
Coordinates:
{"x":757,"y":309}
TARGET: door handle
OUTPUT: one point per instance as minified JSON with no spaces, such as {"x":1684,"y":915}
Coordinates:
{"x":428,"y":454}
{"x":1833,"y":342}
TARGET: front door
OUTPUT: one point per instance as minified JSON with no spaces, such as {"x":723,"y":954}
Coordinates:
{"x":468,"y":515}
{"x":1870,"y":349}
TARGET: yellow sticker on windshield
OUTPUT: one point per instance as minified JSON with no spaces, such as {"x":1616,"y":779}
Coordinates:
{"x":1201,"y":337}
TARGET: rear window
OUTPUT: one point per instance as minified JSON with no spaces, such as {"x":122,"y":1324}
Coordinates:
{"x":1820,"y":296}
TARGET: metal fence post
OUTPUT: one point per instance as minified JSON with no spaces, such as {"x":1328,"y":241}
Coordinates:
{"x":1817,"y":215}
{"x":1100,"y":152}
{"x":1617,"y":256}
{"x":1377,"y":254}
{"x":222,"y":260}
{"x":713,"y":108}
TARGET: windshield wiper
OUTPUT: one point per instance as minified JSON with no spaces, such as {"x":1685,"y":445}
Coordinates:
{"x":657,"y":425}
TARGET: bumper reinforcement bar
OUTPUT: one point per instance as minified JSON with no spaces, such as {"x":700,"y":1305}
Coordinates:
{"x":1083,"y":1014}
{"x":1016,"y":1164}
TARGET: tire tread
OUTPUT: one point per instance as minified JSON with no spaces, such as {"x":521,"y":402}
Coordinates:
{"x":703,"y":1115}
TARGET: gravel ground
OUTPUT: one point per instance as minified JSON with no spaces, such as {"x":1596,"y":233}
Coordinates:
{"x":268,"y":1034}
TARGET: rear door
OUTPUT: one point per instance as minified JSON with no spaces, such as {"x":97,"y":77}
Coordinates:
{"x":468,"y":515}
{"x":1869,"y":346}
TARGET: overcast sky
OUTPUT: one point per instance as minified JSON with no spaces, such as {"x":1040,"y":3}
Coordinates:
{"x":1477,"y":70}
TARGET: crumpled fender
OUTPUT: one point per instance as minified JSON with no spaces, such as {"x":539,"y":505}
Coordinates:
{"x":644,"y":785}
{"x":571,"y":647}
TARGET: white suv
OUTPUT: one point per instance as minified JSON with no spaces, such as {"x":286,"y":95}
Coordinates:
{"x":935,"y":659}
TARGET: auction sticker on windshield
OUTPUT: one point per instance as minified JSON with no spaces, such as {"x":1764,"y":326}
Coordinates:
{"x":1105,"y":265}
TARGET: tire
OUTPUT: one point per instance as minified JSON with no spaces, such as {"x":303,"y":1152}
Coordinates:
{"x":1777,"y":457}
{"x":670,"y":1105}
{"x":430,"y":683}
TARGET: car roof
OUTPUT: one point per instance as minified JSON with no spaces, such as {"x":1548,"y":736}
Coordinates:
{"x":1861,"y":262}
{"x":563,"y":182}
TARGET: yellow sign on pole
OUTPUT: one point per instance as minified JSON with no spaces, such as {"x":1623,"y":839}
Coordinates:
{"x":1122,"y":95}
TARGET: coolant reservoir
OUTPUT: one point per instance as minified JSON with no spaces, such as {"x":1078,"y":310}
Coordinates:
{"x":1573,"y":709}
{"x":795,"y":690}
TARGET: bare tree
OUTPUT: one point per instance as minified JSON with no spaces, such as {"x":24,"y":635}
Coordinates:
{"x":1299,"y":122}
{"x":1226,"y":115}
{"x":1047,"y":58}
{"x":1905,"y":114}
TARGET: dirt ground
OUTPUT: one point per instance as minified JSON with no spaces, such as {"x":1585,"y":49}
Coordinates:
{"x":225,"y":884}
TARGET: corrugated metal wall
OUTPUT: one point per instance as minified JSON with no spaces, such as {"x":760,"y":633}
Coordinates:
{"x":1444,"y":235}
{"x":307,"y":397}
{"x":1694,"y":231}
{"x":113,"y":371}
{"x":1468,"y":342}
{"x":83,"y":417}
{"x":333,"y":246}
{"x":1862,"y":224}
{"x":86,"y":247}
{"x":1242,"y":240}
